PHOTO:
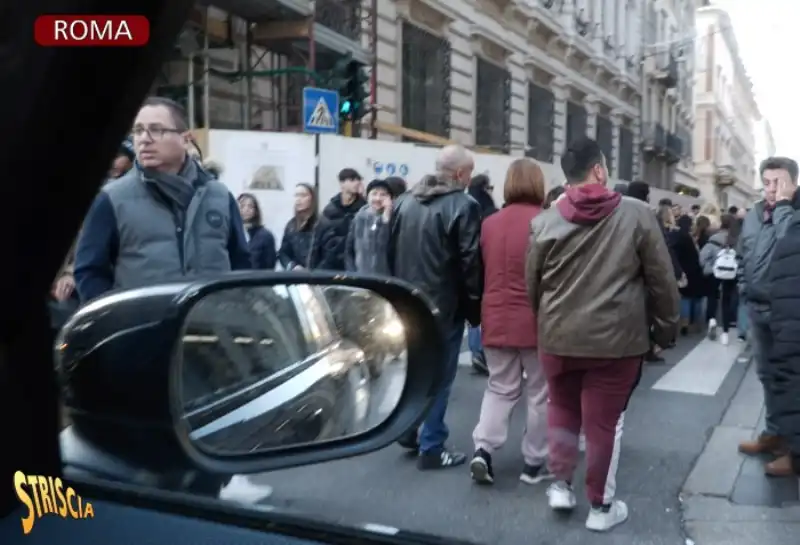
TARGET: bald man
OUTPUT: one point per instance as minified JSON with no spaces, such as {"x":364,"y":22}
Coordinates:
{"x":434,"y":245}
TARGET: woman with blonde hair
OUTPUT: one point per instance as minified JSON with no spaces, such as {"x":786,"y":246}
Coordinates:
{"x":509,"y":331}
{"x":712,"y":212}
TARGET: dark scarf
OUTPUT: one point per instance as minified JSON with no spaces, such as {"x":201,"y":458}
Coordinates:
{"x":178,"y":189}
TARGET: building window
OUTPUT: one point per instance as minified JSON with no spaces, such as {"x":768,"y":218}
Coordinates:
{"x":625,"y":171}
{"x":541,"y":109}
{"x":493,"y":107}
{"x":576,"y":122}
{"x":426,"y":81}
{"x":605,"y":139}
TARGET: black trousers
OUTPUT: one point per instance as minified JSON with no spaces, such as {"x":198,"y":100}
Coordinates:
{"x":721,"y":302}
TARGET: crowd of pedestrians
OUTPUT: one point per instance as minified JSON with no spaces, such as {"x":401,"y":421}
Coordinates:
{"x":564,"y":292}
{"x":566,"y":312}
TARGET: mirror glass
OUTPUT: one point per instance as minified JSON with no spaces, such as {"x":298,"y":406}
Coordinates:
{"x":271,"y":367}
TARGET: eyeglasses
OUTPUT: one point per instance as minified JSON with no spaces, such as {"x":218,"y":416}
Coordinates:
{"x":155,"y":133}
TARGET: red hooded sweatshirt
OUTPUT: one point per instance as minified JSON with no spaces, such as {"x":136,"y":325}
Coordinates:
{"x":587,"y":204}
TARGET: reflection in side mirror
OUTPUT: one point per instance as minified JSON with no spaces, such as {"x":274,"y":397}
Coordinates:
{"x":279,"y":366}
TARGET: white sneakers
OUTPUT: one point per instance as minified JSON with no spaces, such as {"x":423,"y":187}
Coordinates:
{"x":561,"y":497}
{"x":712,"y":329}
{"x":712,"y":333}
{"x":602,"y":520}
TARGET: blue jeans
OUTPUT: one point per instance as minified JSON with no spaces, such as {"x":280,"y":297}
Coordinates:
{"x":741,"y":319}
{"x":434,"y":431}
{"x":474,"y":341}
{"x":692,"y":310}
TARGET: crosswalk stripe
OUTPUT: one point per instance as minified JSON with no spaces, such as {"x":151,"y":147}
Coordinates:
{"x":702,"y":371}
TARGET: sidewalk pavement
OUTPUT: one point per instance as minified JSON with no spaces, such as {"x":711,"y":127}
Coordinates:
{"x":727,"y":500}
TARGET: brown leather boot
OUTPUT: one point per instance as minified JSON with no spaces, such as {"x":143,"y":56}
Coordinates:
{"x":764,"y":444}
{"x":780,"y":467}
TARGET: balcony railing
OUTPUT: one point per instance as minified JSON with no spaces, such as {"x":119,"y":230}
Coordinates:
{"x":667,"y":69}
{"x":341,"y":16}
{"x":654,"y":138}
{"x":674,"y":148}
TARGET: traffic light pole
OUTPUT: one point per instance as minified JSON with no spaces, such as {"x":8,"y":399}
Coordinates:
{"x":373,"y":77}
{"x":347,"y":128}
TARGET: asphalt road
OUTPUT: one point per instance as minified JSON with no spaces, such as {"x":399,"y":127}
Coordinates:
{"x":665,"y":433}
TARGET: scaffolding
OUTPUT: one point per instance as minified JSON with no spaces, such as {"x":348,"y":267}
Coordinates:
{"x":243,"y":64}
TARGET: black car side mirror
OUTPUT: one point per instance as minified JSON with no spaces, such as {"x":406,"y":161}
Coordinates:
{"x":250,"y":372}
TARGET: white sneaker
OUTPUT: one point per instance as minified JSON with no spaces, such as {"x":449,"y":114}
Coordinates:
{"x":600,"y":520}
{"x":712,"y":329}
{"x":724,"y":339}
{"x":561,"y":496}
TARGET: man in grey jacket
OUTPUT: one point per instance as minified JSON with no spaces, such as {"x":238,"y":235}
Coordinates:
{"x":763,"y":226}
{"x":166,"y":219}
{"x":368,"y":239}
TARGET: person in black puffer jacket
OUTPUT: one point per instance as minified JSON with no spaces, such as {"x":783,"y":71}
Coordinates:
{"x":784,"y":278}
{"x":330,"y":234}
{"x":297,"y":235}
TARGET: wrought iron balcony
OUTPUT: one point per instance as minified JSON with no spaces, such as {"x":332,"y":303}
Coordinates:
{"x":667,"y":70}
{"x":341,"y":16}
{"x":654,"y":138}
{"x":674,"y":148}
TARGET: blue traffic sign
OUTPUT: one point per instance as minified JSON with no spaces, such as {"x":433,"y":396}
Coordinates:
{"x":320,"y":111}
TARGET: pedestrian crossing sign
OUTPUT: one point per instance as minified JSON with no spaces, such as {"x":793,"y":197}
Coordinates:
{"x":321,"y":117}
{"x":320,"y":111}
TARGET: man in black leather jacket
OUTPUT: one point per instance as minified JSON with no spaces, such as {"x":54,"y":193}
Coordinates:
{"x":435,"y":245}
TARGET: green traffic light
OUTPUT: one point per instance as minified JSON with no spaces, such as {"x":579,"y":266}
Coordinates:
{"x":346,"y":107}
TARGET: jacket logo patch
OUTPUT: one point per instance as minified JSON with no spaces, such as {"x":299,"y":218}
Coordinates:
{"x":214,"y":219}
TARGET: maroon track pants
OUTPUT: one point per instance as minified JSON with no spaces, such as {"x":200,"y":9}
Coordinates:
{"x":591,"y":394}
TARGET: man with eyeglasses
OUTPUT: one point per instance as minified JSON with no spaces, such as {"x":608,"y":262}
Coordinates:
{"x":165,"y":219}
